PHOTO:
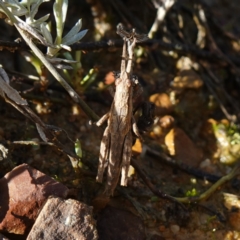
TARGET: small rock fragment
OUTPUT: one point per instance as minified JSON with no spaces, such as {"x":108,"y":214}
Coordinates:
{"x":166,"y":122}
{"x":184,"y":63}
{"x":162,"y":103}
{"x":174,"y":229}
{"x":182,"y":147}
{"x":162,"y":228}
{"x":187,"y":79}
{"x":23,"y":191}
{"x":232,"y":203}
{"x":137,"y":147}
{"x":64,"y":219}
{"x":109,"y":78}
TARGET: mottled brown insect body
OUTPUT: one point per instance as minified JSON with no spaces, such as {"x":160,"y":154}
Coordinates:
{"x":116,"y":144}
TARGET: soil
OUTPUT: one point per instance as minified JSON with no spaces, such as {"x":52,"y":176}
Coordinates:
{"x":196,"y":118}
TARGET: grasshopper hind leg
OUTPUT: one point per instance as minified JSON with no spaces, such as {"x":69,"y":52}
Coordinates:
{"x":126,"y":158}
{"x":104,"y":154}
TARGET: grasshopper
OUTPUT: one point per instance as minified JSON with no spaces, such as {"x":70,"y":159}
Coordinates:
{"x":116,"y":144}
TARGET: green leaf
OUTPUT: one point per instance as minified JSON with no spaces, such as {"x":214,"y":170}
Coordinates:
{"x":75,"y":29}
{"x":78,"y":148}
{"x":76,"y":38}
{"x":16,"y":8}
{"x":26,"y":2}
{"x":60,"y":12}
{"x":19,"y":12}
{"x":66,"y":47}
{"x":64,"y":11}
{"x":46,"y":34}
{"x":41,"y":20}
{"x":29,"y":2}
{"x":34,"y":9}
{"x":13,"y":2}
{"x":60,"y":60}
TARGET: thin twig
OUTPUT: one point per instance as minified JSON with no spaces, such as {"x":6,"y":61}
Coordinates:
{"x":213,"y":188}
{"x":126,"y":15}
{"x":183,"y":167}
{"x":219,"y":180}
{"x":162,"y":8}
{"x":116,"y":43}
{"x":214,"y":77}
{"x":148,"y":183}
{"x":214,"y":45}
{"x":212,"y":89}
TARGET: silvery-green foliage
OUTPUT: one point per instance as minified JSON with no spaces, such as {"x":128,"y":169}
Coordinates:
{"x":60,"y":12}
{"x":61,"y":63}
{"x":46,"y":33}
{"x":15,"y":7}
{"x":38,"y":28}
{"x":74,"y":35}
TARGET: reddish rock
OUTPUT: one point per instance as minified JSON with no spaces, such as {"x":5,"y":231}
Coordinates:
{"x":64,"y":219}
{"x":109,"y":78}
{"x":23,"y":191}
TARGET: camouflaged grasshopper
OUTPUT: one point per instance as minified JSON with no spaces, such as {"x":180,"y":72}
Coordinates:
{"x":116,"y":144}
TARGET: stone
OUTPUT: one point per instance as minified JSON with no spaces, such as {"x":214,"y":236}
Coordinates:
{"x":64,"y":219}
{"x":187,"y":79}
{"x":174,"y":229}
{"x":162,"y":103}
{"x":109,"y":78}
{"x":137,"y":147}
{"x":232,"y":204}
{"x":182,"y":148}
{"x":118,"y":224}
{"x":166,"y":122}
{"x":23,"y":191}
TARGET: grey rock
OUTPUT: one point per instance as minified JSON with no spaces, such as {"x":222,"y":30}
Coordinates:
{"x":64,"y":219}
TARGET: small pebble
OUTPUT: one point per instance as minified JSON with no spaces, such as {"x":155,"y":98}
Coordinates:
{"x":174,"y":229}
{"x":203,"y":218}
{"x":162,"y":228}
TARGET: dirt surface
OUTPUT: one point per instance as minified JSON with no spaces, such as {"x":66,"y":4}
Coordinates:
{"x":196,"y":93}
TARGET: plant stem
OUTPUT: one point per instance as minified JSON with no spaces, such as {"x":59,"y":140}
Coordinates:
{"x":213,"y":188}
{"x":58,"y":77}
{"x":89,"y":112}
